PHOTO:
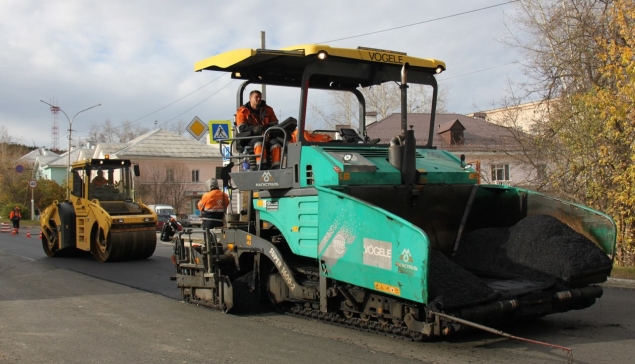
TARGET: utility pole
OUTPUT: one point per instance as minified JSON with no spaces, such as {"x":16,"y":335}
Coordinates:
{"x":70,"y":129}
{"x":262,"y":46}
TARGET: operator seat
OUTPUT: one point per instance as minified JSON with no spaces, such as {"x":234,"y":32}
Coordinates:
{"x":351,"y":136}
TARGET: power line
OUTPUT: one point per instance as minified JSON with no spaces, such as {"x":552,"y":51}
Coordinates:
{"x":174,"y":102}
{"x":422,"y":22}
{"x":481,"y":59}
{"x":205,"y":99}
{"x":469,"y":73}
{"x":331,"y":41}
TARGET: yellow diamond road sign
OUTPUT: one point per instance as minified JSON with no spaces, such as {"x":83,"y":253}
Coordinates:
{"x":197,"y":128}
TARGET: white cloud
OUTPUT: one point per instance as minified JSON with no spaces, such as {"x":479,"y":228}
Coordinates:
{"x":136,"y":57}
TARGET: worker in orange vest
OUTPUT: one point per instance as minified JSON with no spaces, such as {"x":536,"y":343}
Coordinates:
{"x":255,"y":117}
{"x":15,"y":217}
{"x":213,"y":204}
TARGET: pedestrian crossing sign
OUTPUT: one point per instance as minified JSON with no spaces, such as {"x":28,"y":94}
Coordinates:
{"x":219,"y":130}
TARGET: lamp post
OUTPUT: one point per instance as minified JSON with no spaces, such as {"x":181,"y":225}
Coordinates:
{"x":70,"y":129}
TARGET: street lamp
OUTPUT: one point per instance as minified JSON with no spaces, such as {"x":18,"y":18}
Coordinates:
{"x":70,"y":129}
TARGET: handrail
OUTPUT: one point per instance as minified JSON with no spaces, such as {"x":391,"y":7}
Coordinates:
{"x":232,"y":141}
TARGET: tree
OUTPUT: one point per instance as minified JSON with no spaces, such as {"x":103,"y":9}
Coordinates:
{"x":384,"y":99}
{"x":559,"y":44}
{"x":531,"y":154}
{"x":178,"y":128}
{"x":108,"y":132}
{"x":46,"y":192}
{"x":167,"y":183}
{"x":611,"y":103}
{"x":579,"y":54}
{"x":15,"y":186}
{"x":128,"y":131}
{"x":342,"y":109}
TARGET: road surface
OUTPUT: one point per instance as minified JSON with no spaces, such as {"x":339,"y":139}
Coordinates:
{"x":76,"y":310}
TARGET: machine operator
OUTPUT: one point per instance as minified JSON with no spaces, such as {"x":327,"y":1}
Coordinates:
{"x":256,"y":116}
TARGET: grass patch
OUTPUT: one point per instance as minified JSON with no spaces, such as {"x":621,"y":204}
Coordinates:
{"x":623,"y":272}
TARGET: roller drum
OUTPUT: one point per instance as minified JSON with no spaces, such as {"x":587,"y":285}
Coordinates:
{"x":125,"y":244}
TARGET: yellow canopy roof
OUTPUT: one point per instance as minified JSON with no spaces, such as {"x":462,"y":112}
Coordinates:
{"x":235,"y":60}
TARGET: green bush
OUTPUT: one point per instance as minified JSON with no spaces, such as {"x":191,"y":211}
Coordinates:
{"x":24,"y":211}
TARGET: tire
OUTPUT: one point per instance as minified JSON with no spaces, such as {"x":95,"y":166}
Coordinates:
{"x":100,"y":247}
{"x":50,"y":241}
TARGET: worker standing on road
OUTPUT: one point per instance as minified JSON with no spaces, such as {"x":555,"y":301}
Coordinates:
{"x":15,"y":217}
{"x":212,"y":205}
{"x":256,"y":116}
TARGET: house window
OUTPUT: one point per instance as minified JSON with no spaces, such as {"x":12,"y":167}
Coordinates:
{"x":500,"y":174}
{"x":195,"y":175}
{"x":457,"y":138}
{"x":169,"y":175}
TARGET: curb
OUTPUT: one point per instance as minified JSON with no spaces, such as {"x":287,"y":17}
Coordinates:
{"x":619,"y":283}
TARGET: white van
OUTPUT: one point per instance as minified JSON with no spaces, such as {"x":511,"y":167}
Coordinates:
{"x":163,"y":210}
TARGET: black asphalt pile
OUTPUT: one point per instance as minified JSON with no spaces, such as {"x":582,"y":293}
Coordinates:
{"x":247,"y":301}
{"x":537,"y":246}
{"x":546,"y":244}
{"x":450,"y":286}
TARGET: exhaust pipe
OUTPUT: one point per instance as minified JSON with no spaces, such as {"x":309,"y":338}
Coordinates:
{"x":402,"y":152}
{"x":395,"y":151}
{"x":404,"y":98}
{"x":408,"y":167}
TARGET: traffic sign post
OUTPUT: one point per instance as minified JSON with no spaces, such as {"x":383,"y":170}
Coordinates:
{"x":32,"y":184}
{"x":226,"y":154}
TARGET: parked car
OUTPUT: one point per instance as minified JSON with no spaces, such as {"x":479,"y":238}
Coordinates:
{"x":162,"y":219}
{"x":163,"y":210}
{"x":190,"y":220}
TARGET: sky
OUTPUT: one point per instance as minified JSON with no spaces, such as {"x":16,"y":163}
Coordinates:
{"x":136,"y":58}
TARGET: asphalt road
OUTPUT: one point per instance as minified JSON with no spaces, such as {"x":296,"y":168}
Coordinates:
{"x":76,"y":310}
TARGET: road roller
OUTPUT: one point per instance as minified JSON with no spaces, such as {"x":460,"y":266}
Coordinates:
{"x":100,"y":215}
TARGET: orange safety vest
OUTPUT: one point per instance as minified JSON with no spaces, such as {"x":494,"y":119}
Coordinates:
{"x":213,"y":201}
{"x":261,"y":117}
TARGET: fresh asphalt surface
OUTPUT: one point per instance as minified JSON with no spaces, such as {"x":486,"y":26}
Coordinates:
{"x":76,"y":310}
{"x":151,"y":275}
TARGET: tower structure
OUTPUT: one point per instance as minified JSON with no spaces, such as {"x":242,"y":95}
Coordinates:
{"x":55,"y":128}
